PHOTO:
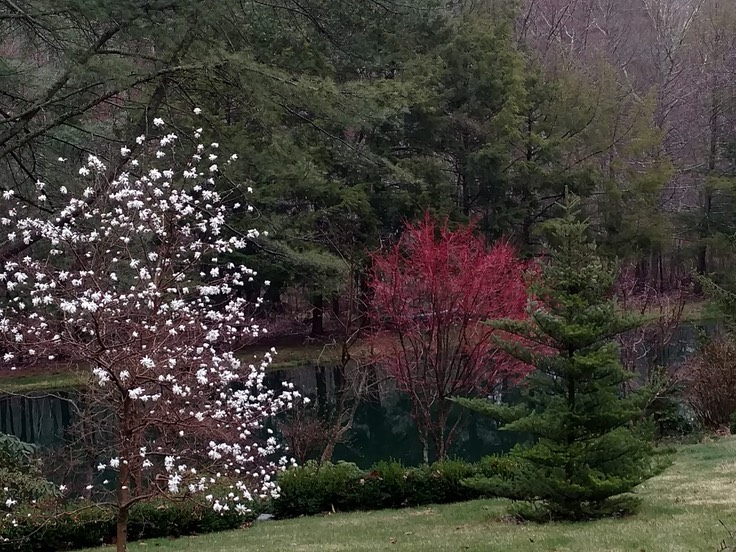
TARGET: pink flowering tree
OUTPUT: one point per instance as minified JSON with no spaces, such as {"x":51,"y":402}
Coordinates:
{"x":135,"y":285}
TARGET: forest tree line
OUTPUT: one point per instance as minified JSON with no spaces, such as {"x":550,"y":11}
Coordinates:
{"x":354,"y":117}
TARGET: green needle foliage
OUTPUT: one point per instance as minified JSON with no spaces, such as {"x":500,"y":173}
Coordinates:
{"x":586,"y":453}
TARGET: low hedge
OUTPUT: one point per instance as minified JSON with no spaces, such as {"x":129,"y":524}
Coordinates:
{"x":306,"y":490}
{"x":313,"y":489}
{"x":80,"y":527}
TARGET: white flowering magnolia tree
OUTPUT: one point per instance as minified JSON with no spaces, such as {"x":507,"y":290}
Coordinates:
{"x":135,"y":285}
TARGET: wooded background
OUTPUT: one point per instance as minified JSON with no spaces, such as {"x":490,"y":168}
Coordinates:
{"x":351,"y":117}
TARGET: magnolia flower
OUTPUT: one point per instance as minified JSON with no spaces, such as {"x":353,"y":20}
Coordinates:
{"x":197,"y":111}
{"x":158,"y":122}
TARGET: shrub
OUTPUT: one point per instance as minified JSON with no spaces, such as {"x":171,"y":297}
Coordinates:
{"x":306,"y":490}
{"x":384,"y":486}
{"x":21,"y":478}
{"x":82,"y":526}
{"x":441,"y":483}
{"x":312,"y":489}
{"x":40,"y":530}
{"x":712,"y":382}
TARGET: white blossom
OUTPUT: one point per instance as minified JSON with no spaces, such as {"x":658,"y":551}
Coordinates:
{"x":135,"y":302}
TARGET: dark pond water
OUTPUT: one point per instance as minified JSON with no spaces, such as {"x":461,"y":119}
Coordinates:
{"x":383,"y":427}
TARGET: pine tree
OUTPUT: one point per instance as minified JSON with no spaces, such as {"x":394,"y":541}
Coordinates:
{"x":585,"y":454}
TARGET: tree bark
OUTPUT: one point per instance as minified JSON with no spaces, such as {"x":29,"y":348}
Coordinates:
{"x":317,"y":314}
{"x":364,"y":297}
{"x":124,"y":476}
{"x":702,"y":262}
{"x":425,"y":450}
{"x":121,"y":533}
{"x":336,"y":306}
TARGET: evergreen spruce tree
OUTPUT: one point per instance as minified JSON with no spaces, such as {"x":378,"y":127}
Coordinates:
{"x":585,"y":454}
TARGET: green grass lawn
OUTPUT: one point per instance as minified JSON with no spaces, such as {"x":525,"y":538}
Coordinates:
{"x":681,"y":512}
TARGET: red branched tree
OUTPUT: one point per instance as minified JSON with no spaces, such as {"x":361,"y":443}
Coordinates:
{"x":433,"y":292}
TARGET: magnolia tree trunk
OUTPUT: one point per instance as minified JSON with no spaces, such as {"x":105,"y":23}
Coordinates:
{"x":121,"y":533}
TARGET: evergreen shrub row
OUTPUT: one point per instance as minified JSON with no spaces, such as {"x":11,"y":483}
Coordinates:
{"x":342,"y":487}
{"x":305,"y":490}
{"x":80,"y":527}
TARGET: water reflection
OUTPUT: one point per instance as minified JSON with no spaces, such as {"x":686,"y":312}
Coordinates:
{"x":37,"y":418}
{"x":383,"y":427}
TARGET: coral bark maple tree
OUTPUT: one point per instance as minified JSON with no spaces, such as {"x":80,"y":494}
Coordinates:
{"x":433,"y":292}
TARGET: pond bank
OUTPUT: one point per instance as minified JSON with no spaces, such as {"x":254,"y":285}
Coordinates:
{"x":292,"y":351}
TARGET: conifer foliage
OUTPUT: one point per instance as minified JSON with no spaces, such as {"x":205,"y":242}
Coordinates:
{"x":585,"y":454}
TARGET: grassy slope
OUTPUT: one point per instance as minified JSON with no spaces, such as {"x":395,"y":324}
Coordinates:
{"x":681,"y":512}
